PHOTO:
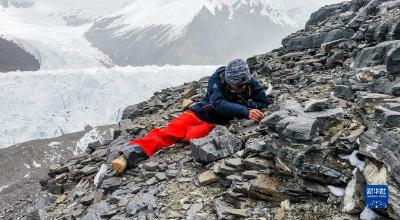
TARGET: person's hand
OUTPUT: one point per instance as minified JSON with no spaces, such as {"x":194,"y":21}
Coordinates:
{"x":256,"y":115}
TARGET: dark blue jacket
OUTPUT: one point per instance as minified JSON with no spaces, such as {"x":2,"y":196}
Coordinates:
{"x":220,"y":105}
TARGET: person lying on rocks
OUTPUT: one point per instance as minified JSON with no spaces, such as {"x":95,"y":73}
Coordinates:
{"x":231,"y":93}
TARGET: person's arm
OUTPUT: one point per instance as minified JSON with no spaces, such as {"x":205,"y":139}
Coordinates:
{"x":260,"y":99}
{"x":222,"y":106}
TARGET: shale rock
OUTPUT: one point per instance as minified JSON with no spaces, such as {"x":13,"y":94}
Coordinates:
{"x":218,"y":144}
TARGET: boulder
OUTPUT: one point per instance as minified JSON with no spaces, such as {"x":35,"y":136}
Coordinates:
{"x":309,"y":125}
{"x":353,"y":199}
{"x":271,"y":119}
{"x":378,"y":55}
{"x":382,"y":145}
{"x":325,"y":12}
{"x":218,"y":144}
{"x":392,"y":106}
{"x":386,"y":117}
{"x":395,"y":89}
{"x":393,"y":60}
{"x":364,"y":13}
{"x":343,"y":91}
{"x":315,"y":40}
{"x":301,"y":128}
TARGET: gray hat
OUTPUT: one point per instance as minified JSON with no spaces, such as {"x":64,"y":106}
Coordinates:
{"x":237,"y":72}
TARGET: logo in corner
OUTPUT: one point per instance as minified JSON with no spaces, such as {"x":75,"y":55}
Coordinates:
{"x":376,"y":196}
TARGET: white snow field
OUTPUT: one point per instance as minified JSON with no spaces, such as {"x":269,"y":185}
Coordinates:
{"x":47,"y":103}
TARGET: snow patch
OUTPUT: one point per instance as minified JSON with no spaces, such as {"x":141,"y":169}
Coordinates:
{"x":99,"y":176}
{"x":368,"y":214}
{"x":35,"y":164}
{"x":27,"y":166}
{"x":53,"y":144}
{"x":337,"y":191}
{"x":88,"y":138}
{"x":4,"y":187}
{"x":353,"y":159}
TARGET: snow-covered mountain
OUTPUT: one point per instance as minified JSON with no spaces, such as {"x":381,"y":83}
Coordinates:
{"x":197,"y":32}
{"x":90,"y":33}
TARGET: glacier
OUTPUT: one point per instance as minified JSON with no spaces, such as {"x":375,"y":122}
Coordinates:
{"x":48,"y":103}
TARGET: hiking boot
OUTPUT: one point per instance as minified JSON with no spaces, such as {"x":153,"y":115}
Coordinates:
{"x":119,"y":164}
{"x":130,"y":156}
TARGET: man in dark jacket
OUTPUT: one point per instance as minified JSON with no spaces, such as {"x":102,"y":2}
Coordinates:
{"x":231,"y":93}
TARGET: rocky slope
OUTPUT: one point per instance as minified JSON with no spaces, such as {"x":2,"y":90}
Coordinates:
{"x":13,"y":57}
{"x":334,"y":127}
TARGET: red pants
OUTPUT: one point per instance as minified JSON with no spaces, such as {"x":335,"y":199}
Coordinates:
{"x":185,"y":127}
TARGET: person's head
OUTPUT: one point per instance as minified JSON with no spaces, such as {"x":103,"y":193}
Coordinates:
{"x":237,"y":75}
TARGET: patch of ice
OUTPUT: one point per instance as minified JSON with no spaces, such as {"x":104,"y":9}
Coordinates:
{"x":368,"y":214}
{"x":35,"y":164}
{"x":4,"y":187}
{"x":71,"y":99}
{"x":88,"y":138}
{"x":100,"y":174}
{"x":353,"y":159}
{"x":337,"y":191}
{"x":53,"y":144}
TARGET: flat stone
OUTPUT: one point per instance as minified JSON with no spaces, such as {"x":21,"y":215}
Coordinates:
{"x":95,"y":145}
{"x":234,"y":162}
{"x":150,"y":166}
{"x":326,"y":47}
{"x":99,"y":209}
{"x":161,"y":176}
{"x":250,"y":174}
{"x":172,"y":173}
{"x":100,"y":153}
{"x":343,"y":91}
{"x":257,"y":163}
{"x":87,"y":200}
{"x":55,"y":169}
{"x":152,"y":181}
{"x":376,"y":55}
{"x":61,"y":199}
{"x":111,"y":184}
{"x":392,"y":106}
{"x":227,"y":170}
{"x":89,"y":169}
{"x":272,"y":119}
{"x":395,"y":89}
{"x":207,"y":178}
{"x":382,"y":144}
{"x":387,"y":117}
{"x":316,"y":105}
{"x":353,"y":199}
{"x":393,"y":60}
{"x":126,"y":125}
{"x":189,"y":93}
{"x":193,"y":210}
{"x":315,"y":40}
{"x":352,"y":137}
{"x":266,"y":184}
{"x":186,"y":103}
{"x":301,"y":128}
{"x":225,"y":211}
